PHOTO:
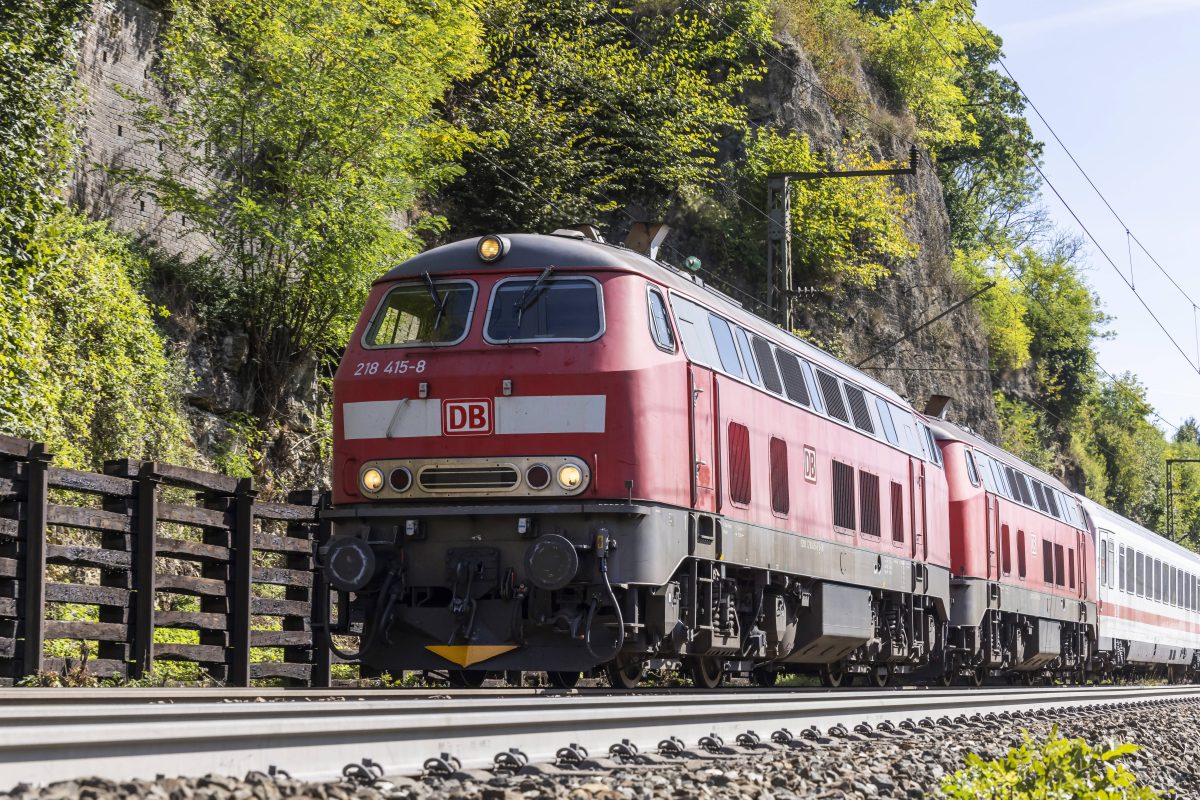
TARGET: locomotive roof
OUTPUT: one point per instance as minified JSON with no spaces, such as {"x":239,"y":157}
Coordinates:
{"x":566,"y":252}
{"x":944,"y":429}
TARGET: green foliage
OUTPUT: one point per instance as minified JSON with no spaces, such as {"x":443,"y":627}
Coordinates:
{"x":301,"y":132}
{"x":1130,"y":448}
{"x":1057,"y":769}
{"x":1004,"y":308}
{"x":585,"y":107}
{"x":843,"y":231}
{"x":37,"y":69}
{"x":83,"y":367}
{"x":1023,"y":431}
{"x":915,"y":53}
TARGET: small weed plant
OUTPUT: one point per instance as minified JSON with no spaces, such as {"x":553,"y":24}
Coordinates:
{"x":1058,"y":769}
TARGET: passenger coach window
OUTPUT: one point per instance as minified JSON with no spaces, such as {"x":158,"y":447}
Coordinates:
{"x":541,"y":308}
{"x":660,"y":322}
{"x":1121,"y":570}
{"x":414,"y":313}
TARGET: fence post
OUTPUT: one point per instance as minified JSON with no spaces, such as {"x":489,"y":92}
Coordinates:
{"x":243,"y":582}
{"x":322,"y":674}
{"x":37,"y":497}
{"x":146,"y":548}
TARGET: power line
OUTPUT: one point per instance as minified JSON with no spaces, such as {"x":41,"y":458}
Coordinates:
{"x":1033,"y":162}
{"x":1071,"y":156}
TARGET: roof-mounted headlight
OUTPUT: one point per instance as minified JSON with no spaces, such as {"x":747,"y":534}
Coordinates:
{"x":492,"y":248}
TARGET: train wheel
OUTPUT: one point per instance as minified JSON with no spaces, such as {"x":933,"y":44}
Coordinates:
{"x":467,"y":678}
{"x":976,"y":677}
{"x":881,"y":675}
{"x":834,"y":677}
{"x":764,"y":676}
{"x":564,"y":680}
{"x":707,"y":672}
{"x":626,"y":677}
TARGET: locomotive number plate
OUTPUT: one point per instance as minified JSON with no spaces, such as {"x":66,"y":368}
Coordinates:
{"x":467,"y":417}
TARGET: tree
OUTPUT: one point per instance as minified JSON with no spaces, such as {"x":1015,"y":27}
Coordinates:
{"x":587,"y":107}
{"x":301,"y":136}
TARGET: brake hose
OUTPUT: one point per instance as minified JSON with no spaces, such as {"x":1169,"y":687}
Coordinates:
{"x":380,"y":619}
{"x":612,"y":598}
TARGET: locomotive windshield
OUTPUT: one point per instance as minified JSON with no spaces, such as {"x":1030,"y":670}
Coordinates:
{"x":545,"y":309}
{"x":423,"y":313}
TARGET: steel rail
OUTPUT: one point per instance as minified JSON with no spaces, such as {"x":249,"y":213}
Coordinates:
{"x":314,"y":734}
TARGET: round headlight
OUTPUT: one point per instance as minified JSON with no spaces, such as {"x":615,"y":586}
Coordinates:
{"x":401,"y":479}
{"x":538,"y":476}
{"x":372,"y":480}
{"x":491,"y":248}
{"x":570,"y":476}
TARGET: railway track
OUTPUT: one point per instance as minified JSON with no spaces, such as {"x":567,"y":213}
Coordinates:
{"x":59,"y":734}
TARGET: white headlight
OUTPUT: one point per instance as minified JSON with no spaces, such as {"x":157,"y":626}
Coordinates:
{"x":372,"y":480}
{"x":570,"y":476}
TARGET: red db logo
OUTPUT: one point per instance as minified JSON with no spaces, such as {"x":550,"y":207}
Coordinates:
{"x":466,"y":417}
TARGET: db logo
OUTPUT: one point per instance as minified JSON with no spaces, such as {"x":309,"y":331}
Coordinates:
{"x":466,"y":417}
{"x":810,"y":464}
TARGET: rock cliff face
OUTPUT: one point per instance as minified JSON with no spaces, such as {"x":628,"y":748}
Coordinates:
{"x":948,"y":357}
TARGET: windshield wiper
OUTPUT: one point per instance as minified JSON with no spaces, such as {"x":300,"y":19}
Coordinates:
{"x":532,"y":293}
{"x":438,"y":301}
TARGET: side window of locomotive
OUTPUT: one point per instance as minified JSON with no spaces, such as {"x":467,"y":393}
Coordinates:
{"x":726,"y":349}
{"x":766,"y":364}
{"x":743,"y":344}
{"x":1021,"y":553}
{"x":885,"y":419}
{"x":538,"y":309}
{"x":410,"y":315}
{"x":660,"y":322}
{"x":858,"y":409}
{"x":695,"y":333}
{"x":831,"y":391}
{"x":906,"y":429}
{"x":811,"y":381}
{"x":793,"y":377}
{"x":935,"y":452}
{"x":972,"y":474}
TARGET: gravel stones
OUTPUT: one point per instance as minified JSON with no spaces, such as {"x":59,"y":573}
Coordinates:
{"x":904,"y":764}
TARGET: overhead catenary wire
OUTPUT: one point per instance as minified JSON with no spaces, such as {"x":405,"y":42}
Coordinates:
{"x":1075,"y":161}
{"x":1087,"y":232}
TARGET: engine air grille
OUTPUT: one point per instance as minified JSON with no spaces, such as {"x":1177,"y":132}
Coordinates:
{"x":449,"y":479}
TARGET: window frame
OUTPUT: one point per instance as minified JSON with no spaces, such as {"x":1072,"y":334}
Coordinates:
{"x":652,"y":292}
{"x":545,"y":340}
{"x":417,"y":282}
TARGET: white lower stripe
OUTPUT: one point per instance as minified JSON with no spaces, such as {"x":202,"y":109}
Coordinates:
{"x":410,"y":418}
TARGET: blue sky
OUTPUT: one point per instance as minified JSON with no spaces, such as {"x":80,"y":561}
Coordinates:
{"x":1119,"y":80}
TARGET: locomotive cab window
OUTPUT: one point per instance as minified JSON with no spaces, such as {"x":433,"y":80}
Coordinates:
{"x":437,"y":312}
{"x":660,"y":321}
{"x":543,"y":308}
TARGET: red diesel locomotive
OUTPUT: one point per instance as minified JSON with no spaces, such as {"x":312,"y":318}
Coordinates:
{"x":556,"y":454}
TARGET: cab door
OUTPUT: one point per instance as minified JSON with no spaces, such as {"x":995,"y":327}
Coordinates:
{"x":703,"y":428}
{"x":993,"y":538}
{"x":916,"y":481}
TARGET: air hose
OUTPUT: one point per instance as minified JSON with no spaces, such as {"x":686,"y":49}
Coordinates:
{"x":612,"y":598}
{"x":389,"y":600}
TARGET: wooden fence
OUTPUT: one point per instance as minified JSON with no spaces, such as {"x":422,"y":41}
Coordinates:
{"x":150,"y":562}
